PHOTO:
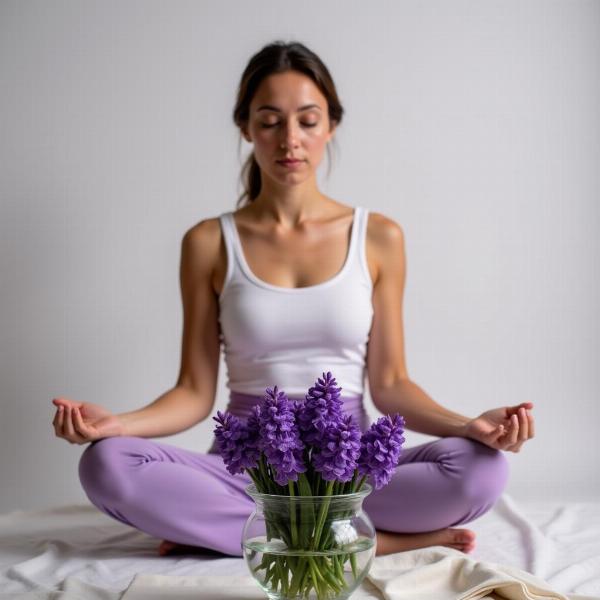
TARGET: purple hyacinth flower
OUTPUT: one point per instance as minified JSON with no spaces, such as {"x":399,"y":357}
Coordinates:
{"x":381,"y":445}
{"x":279,"y":436}
{"x":336,"y":457}
{"x":252,"y":446}
{"x":236,"y":443}
{"x":321,"y":409}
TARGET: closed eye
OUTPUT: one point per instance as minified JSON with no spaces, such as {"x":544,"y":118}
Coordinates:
{"x":265,"y":126}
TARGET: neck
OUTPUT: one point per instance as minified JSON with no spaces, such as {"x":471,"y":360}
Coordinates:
{"x":290,"y":205}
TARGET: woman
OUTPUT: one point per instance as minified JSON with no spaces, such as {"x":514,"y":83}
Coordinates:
{"x":293,"y":283}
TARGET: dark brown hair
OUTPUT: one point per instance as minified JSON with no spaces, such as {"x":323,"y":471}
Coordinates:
{"x":279,"y":57}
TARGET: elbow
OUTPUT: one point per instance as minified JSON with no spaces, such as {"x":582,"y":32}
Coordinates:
{"x":200,"y":402}
{"x":388,"y":383}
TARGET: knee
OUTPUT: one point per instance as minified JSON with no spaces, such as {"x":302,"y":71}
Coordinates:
{"x":484,"y":471}
{"x":101,"y":471}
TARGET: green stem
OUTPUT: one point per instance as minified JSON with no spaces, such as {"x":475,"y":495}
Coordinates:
{"x":353,"y":563}
{"x":360,"y":483}
{"x":322,"y":514}
{"x":282,"y":572}
{"x":256,"y":479}
{"x":298,"y":576}
{"x":314,"y":576}
{"x":293,"y":515}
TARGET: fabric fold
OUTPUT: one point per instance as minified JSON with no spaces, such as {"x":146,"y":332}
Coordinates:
{"x":441,"y":573}
{"x":436,"y":573}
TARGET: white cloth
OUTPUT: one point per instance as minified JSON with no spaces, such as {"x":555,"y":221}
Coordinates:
{"x":441,"y":573}
{"x":437,"y":573}
{"x":79,"y":553}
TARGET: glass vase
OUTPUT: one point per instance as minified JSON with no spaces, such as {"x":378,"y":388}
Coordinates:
{"x":309,"y":547}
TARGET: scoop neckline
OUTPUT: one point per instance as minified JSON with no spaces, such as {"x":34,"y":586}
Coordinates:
{"x":295,"y":290}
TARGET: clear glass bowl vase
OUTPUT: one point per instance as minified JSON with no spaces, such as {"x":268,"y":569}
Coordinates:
{"x":309,"y":547}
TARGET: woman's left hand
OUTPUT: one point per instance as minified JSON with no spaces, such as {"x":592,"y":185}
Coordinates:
{"x":506,"y":428}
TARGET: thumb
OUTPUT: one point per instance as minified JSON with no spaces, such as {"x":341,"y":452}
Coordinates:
{"x":496,"y":433}
{"x":60,"y":401}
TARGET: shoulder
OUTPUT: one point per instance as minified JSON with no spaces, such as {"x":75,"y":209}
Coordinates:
{"x":384,"y":231}
{"x":385,"y":239}
{"x":201,"y":244}
{"x":204,"y":231}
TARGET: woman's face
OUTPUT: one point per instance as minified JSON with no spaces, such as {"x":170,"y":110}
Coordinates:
{"x":288,"y":119}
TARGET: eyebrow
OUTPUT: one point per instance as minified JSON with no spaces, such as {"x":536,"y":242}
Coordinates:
{"x":274,"y":108}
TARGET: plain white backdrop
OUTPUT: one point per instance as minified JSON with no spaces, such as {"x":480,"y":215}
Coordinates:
{"x":474,"y":125}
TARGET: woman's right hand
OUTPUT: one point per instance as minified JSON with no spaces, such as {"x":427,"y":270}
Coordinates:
{"x":82,"y":422}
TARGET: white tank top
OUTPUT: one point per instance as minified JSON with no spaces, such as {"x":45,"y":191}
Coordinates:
{"x":288,"y":337}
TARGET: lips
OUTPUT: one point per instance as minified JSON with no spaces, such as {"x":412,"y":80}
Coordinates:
{"x":287,"y":161}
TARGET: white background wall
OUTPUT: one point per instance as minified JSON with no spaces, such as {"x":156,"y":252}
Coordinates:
{"x":473,"y":124}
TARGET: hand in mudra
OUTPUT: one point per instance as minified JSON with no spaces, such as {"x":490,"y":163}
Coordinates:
{"x":506,"y":428}
{"x":82,"y":422}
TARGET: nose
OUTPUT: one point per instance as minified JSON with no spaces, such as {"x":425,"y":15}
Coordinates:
{"x":290,"y":136}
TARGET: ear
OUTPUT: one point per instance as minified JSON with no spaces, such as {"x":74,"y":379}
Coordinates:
{"x":246,"y":135}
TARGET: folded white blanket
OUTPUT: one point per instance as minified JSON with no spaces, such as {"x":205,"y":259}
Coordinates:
{"x":437,"y":573}
{"x":441,"y":573}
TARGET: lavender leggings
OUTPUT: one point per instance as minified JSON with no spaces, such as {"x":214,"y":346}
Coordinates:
{"x":190,"y":498}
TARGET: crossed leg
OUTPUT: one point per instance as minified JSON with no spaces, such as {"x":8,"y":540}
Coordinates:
{"x":190,"y":500}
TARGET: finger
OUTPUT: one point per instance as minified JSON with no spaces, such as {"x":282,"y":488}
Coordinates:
{"x":58,"y":402}
{"x":78,"y":424}
{"x":514,"y":410}
{"x":523,"y":425}
{"x":531,"y":425}
{"x":67,"y":428}
{"x":508,"y":439}
{"x":58,"y":420}
{"x":514,"y":448}
{"x":514,"y":430}
{"x":73,"y":436}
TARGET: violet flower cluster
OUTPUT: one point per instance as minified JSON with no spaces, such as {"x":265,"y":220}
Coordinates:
{"x":380,"y":449}
{"x":283,"y":440}
{"x":279,"y":436}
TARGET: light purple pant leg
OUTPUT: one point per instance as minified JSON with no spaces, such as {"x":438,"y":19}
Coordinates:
{"x":168,"y":492}
{"x":190,"y":498}
{"x":443,"y":483}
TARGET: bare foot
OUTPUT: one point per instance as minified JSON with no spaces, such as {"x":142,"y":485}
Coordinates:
{"x":387,"y":542}
{"x":460,"y":539}
{"x":168,"y":548}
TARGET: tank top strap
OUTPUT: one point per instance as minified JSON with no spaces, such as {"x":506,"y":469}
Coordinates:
{"x":360,"y":259}
{"x":228,"y":233}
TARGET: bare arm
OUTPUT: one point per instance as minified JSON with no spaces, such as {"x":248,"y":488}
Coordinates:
{"x":421,"y":412}
{"x":176,"y":410}
{"x":389,"y":383}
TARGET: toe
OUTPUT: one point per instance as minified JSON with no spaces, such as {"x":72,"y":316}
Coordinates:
{"x":165,"y":547}
{"x":465,"y":535}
